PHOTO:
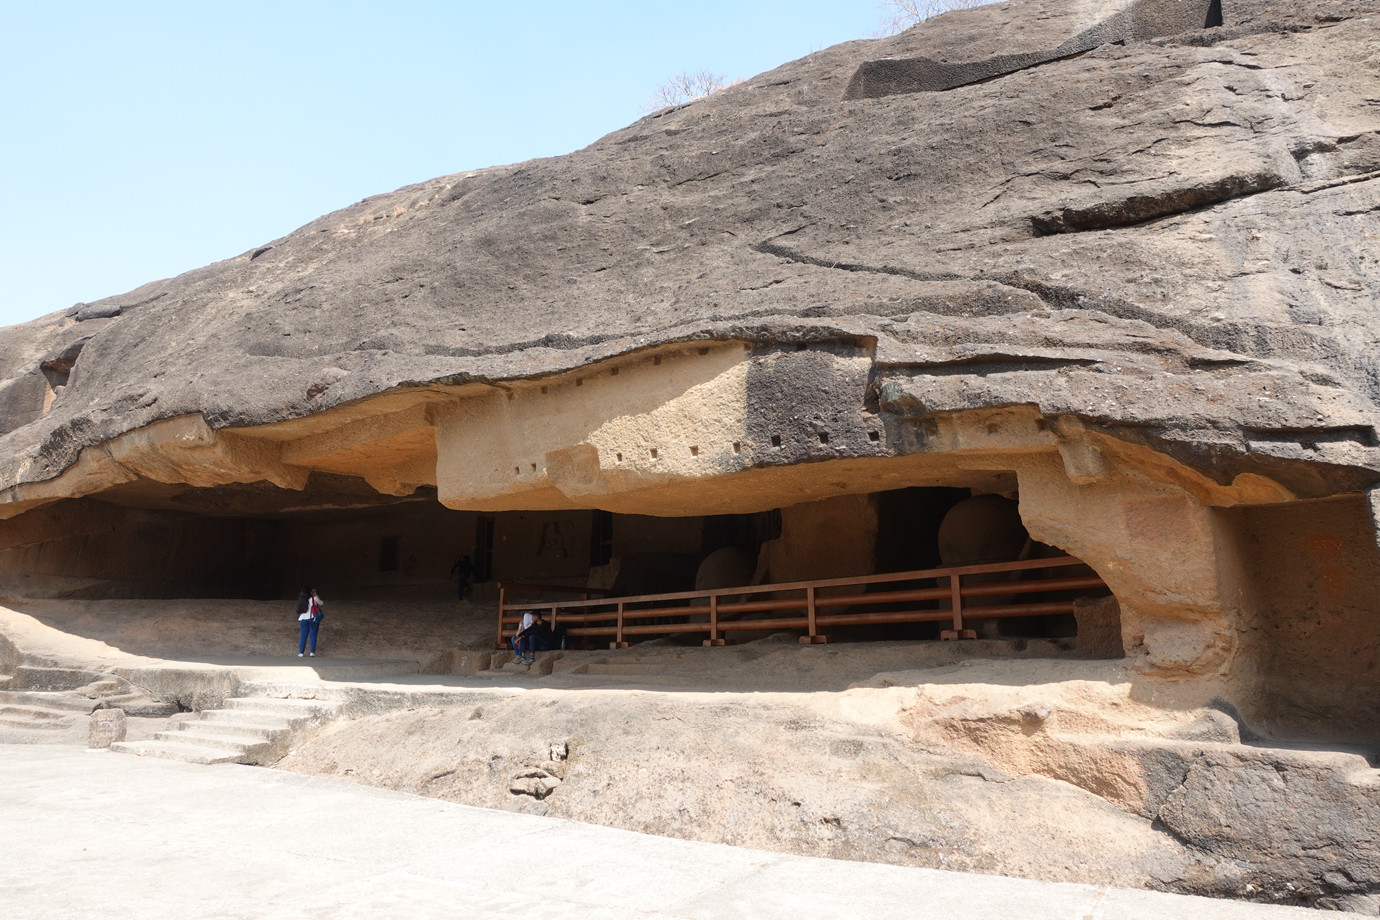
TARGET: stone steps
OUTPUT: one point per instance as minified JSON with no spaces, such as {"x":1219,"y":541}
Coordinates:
{"x":246,"y":718}
{"x":36,"y":717}
{"x":46,"y":712}
{"x":279,"y":705}
{"x":508,"y":669}
{"x":78,"y":691}
{"x":206,"y":735}
{"x":254,"y":732}
{"x":175,"y":750}
{"x":42,"y":699}
{"x":34,"y":677}
{"x":602,"y":671}
{"x":247,"y":730}
{"x":48,"y":699}
{"x":618,"y":669}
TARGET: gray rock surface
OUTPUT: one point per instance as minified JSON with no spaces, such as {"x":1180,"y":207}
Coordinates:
{"x":977,"y":47}
{"x":1169,"y":237}
{"x":107,"y":727}
{"x":1315,"y":815}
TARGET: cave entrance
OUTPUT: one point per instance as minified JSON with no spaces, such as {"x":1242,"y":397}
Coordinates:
{"x":260,"y":542}
{"x":1308,"y":573}
{"x":866,"y":536}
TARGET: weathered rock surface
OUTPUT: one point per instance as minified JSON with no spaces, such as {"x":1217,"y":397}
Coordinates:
{"x":1018,"y":768}
{"x":1322,"y":818}
{"x":791,"y":779}
{"x":977,"y":48}
{"x":1164,"y":235}
{"x":1287,"y":825}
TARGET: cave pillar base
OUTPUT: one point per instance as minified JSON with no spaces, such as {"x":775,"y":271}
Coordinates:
{"x":1154,"y":545}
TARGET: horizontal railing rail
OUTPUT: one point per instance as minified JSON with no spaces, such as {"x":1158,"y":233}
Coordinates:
{"x":714,"y":612}
{"x":552,"y":589}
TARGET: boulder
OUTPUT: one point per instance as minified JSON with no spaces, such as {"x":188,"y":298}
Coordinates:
{"x":1298,"y":831}
{"x":107,"y":727}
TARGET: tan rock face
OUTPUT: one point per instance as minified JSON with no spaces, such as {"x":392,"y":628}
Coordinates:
{"x":1033,"y":768}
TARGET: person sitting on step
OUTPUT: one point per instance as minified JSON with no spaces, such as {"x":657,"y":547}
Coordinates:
{"x":520,"y":641}
{"x":536,"y":636}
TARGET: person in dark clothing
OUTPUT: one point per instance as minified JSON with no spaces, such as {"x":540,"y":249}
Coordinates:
{"x":538,"y":637}
{"x":551,"y":637}
{"x":463,"y":572}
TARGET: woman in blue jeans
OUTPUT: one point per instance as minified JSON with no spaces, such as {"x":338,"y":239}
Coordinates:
{"x":309,"y":613}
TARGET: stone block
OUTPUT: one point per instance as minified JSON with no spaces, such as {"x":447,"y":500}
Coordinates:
{"x":107,"y":727}
{"x":537,"y":786}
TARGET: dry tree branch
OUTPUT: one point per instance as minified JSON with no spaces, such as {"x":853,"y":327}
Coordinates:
{"x":899,"y":15}
{"x":685,"y":87}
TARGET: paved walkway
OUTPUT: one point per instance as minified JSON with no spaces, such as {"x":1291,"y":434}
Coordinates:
{"x":94,"y":834}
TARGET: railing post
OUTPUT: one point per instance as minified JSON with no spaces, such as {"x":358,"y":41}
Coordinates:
{"x":813,"y":637}
{"x":502,"y":612}
{"x":618,"y":638}
{"x":713,"y":621}
{"x":956,"y":595}
{"x":956,"y":600}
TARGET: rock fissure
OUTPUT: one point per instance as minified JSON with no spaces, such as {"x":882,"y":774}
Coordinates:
{"x":1137,"y":209}
{"x":782,"y":252}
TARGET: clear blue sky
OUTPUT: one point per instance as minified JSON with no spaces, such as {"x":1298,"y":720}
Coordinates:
{"x":142,"y":139}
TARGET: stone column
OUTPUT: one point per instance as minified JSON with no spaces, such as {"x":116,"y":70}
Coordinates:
{"x":1154,"y":545}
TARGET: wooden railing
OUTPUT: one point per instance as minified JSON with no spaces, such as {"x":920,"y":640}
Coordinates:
{"x":931,"y":595}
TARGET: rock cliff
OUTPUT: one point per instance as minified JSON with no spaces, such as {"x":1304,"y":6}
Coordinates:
{"x":1117,"y":257}
{"x":1158,"y":225}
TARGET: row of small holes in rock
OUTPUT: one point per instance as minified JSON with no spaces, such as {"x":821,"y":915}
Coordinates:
{"x":655,"y":453}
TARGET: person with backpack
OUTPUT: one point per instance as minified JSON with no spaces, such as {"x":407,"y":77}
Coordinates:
{"x":310,"y":612}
